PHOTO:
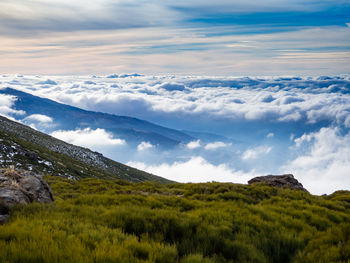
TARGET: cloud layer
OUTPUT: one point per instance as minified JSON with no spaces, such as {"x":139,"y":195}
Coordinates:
{"x":167,"y":37}
{"x":243,"y":126}
{"x":279,"y":100}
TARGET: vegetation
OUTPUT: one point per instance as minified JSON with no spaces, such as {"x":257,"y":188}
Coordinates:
{"x":96,"y":220}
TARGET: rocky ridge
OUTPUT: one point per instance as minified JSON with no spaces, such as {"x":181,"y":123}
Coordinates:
{"x":282,"y":181}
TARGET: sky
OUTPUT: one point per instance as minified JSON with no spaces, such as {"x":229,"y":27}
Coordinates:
{"x":270,"y":78}
{"x":220,"y":38}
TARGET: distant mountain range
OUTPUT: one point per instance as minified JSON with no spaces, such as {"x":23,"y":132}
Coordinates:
{"x":66,"y":117}
{"x":25,"y":148}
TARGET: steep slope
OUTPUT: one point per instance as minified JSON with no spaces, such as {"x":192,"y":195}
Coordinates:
{"x":70,"y":118}
{"x":24,"y":147}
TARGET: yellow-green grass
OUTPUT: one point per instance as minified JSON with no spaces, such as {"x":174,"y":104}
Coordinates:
{"x":96,"y":220}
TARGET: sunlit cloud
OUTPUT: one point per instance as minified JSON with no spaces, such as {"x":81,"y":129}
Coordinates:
{"x":255,"y":153}
{"x":6,"y":106}
{"x":38,"y":118}
{"x":196,"y":169}
{"x":144,"y":146}
{"x":216,"y":145}
{"x":163,"y":37}
{"x":323,"y":162}
{"x":270,"y":135}
{"x":193,"y":145}
{"x":88,"y":138}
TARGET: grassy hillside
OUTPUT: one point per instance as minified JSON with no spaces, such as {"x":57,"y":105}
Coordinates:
{"x":95,"y":220}
{"x":26,"y":148}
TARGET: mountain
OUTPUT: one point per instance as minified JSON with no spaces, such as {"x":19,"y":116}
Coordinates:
{"x":66,"y":117}
{"x":26,"y":148}
{"x":208,"y":137}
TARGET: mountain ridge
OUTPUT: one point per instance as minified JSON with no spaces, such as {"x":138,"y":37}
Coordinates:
{"x":68,"y":117}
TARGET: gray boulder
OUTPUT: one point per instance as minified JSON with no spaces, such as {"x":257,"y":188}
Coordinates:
{"x":283,"y":181}
{"x":20,"y":187}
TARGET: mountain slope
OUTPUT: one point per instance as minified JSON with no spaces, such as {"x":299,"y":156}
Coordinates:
{"x":24,"y":147}
{"x":66,"y":117}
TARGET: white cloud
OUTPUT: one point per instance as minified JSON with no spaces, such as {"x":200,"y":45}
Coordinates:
{"x":38,"y":118}
{"x":324,"y":166}
{"x":6,"y":104}
{"x":216,"y":145}
{"x":196,"y":170}
{"x":270,"y":135}
{"x":77,"y":15}
{"x":308,"y":100}
{"x":7,"y":100}
{"x":176,"y":50}
{"x":144,"y":146}
{"x":88,"y":138}
{"x":256,"y":152}
{"x":303,"y":138}
{"x":193,"y":145}
{"x":291,"y":136}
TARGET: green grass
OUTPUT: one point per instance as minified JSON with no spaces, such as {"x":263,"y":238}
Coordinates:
{"x":95,"y":220}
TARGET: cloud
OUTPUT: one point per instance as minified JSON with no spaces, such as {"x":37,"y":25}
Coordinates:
{"x":193,"y":145}
{"x":196,"y":170}
{"x":323,"y":160}
{"x":270,"y":135}
{"x":256,"y":152}
{"x":268,"y":98}
{"x":289,"y":100}
{"x":66,"y":16}
{"x":172,"y":87}
{"x":295,"y":99}
{"x":162,"y":49}
{"x":48,"y":82}
{"x":6,"y":104}
{"x":216,"y":145}
{"x":38,"y":118}
{"x":144,"y":146}
{"x":88,"y":138}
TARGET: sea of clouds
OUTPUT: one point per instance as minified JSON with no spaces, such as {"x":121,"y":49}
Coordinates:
{"x":262,"y":125}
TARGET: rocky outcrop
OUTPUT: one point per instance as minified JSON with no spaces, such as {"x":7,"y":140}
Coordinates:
{"x":20,"y":187}
{"x":283,"y":181}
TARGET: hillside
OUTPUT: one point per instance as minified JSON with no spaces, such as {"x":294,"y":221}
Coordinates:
{"x":26,"y":148}
{"x":94,"y":220}
{"x":66,"y":117}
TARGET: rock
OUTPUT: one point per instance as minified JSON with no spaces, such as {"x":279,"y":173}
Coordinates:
{"x":3,"y":219}
{"x":283,"y":181}
{"x":31,"y":155}
{"x":19,"y":187}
